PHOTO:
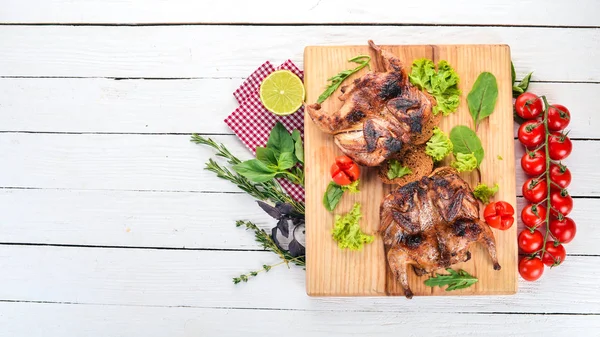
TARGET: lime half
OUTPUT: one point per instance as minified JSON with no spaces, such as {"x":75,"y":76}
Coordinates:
{"x":282,"y":92}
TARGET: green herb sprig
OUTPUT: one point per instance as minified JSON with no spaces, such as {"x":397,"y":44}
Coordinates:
{"x":268,"y":190}
{"x":456,"y":280}
{"x":336,"y":81}
{"x":522,"y":86}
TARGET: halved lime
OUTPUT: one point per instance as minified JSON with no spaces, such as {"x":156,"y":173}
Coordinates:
{"x":282,"y":92}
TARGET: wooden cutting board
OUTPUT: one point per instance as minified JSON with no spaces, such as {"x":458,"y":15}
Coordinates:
{"x":331,"y":271}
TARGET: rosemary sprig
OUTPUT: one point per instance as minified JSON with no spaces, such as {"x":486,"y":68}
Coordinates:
{"x":361,"y":60}
{"x":269,"y":190}
{"x":267,"y":243}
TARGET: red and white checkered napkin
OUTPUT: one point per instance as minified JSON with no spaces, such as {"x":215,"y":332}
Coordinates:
{"x":252,"y":123}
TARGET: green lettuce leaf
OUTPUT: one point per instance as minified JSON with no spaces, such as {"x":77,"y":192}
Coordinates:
{"x":439,"y":145}
{"x":464,"y":162}
{"x":483,"y":192}
{"x":347,"y":233}
{"x":396,"y":170}
{"x":442,"y":85}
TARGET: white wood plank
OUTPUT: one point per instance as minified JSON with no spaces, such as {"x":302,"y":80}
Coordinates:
{"x":112,"y":321}
{"x":182,"y":106}
{"x":235,"y":51}
{"x":494,"y":12}
{"x":203,"y":279}
{"x":121,"y":218}
{"x":159,"y":162}
{"x":174,"y":220}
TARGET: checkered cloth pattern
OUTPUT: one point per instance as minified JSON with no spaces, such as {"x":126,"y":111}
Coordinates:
{"x":252,"y":123}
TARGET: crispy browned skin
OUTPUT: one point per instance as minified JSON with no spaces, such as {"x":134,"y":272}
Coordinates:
{"x":381,"y":112}
{"x":430,"y":224}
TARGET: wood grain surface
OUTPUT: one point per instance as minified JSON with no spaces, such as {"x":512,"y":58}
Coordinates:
{"x":335,"y":272}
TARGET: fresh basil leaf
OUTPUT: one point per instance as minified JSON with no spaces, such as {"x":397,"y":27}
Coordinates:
{"x":396,"y":170}
{"x":280,"y":140}
{"x":513,"y":73}
{"x":465,"y":140}
{"x":286,"y":160}
{"x":255,"y":170}
{"x":525,"y":82}
{"x":482,"y":98}
{"x":332,"y":196}
{"x":266,"y":156}
{"x":298,"y":146}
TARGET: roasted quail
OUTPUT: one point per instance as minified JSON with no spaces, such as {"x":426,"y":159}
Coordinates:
{"x":430,"y":224}
{"x":381,"y":112}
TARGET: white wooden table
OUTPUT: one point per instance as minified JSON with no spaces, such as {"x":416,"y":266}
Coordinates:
{"x":109,"y":226}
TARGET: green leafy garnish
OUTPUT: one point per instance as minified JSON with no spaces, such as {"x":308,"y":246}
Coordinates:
{"x":465,"y":140}
{"x":277,"y":160}
{"x":456,"y":280}
{"x":346,"y":231}
{"x":443,"y":84}
{"x":361,"y":60}
{"x":482,"y":98}
{"x":439,"y":145}
{"x":483,"y":192}
{"x":334,"y":192}
{"x":464,"y":162}
{"x":523,"y":85}
{"x":396,"y":170}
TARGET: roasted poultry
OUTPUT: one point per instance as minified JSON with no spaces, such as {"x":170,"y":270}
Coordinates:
{"x":381,"y":112}
{"x":430,"y":224}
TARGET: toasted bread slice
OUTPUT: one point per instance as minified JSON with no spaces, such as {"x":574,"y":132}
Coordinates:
{"x":413,"y":157}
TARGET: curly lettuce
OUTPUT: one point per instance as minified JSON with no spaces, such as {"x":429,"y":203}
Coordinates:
{"x":441,"y":84}
{"x":346,"y":231}
{"x":464,"y":162}
{"x":483,"y":192}
{"x":439,"y":145}
{"x":396,"y":170}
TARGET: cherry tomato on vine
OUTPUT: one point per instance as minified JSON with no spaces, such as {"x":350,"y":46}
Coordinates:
{"x":534,"y":162}
{"x":562,"y":202}
{"x":558,"y":117}
{"x":559,"y":175}
{"x":535,"y":190}
{"x":499,"y":214}
{"x":530,"y":241}
{"x":528,"y":105}
{"x":531,"y":269}
{"x":563,"y":230}
{"x":533,"y":215}
{"x":559,"y":146}
{"x":554,"y":255}
{"x":532,"y":134}
{"x":344,"y":171}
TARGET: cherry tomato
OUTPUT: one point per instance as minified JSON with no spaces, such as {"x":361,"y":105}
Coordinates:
{"x":531,"y":269}
{"x":530,"y":241}
{"x":559,"y":146}
{"x":559,"y":175}
{"x":563,"y":230}
{"x":535,"y":190}
{"x":554,"y":255}
{"x":562,"y":202}
{"x":534,"y":162}
{"x":344,"y":171}
{"x":528,"y":105}
{"x":533,"y":215}
{"x":532,"y":133}
{"x":558,"y":117}
{"x":499,"y":214}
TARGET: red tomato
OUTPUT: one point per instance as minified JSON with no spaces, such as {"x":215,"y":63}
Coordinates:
{"x":528,"y":105}
{"x":562,"y":202}
{"x":530,"y":241}
{"x":559,"y":146}
{"x":558,"y":117}
{"x":499,"y":214}
{"x":532,"y":133}
{"x":531,"y":269}
{"x":534,"y":162}
{"x":535,"y":190}
{"x":559,"y":175}
{"x":533,"y":215}
{"x":554,"y":255}
{"x":344,"y":171}
{"x":563,"y":230}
